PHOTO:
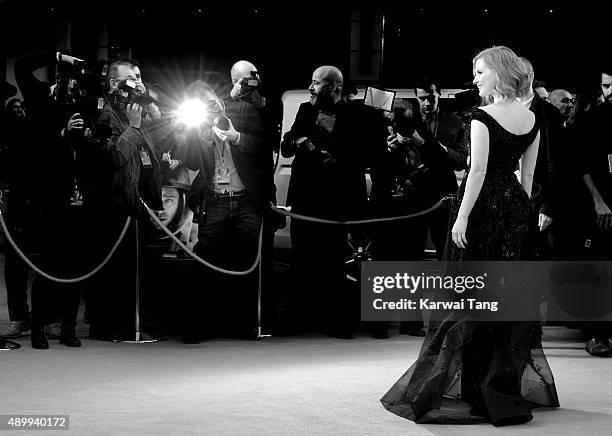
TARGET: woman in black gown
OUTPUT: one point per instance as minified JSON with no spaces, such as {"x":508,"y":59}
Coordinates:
{"x":471,"y":371}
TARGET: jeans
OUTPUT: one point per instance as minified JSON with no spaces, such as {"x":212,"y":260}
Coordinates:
{"x":228,"y":238}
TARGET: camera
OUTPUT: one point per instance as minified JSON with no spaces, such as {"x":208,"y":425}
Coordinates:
{"x":410,"y":171}
{"x":216,"y":115}
{"x":253,"y":81}
{"x":78,"y":88}
{"x":130,"y":92}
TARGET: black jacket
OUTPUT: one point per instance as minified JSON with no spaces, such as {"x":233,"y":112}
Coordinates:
{"x":246,"y":156}
{"x":333,"y":185}
{"x":121,"y":148}
{"x":545,"y":179}
{"x":443,"y":164}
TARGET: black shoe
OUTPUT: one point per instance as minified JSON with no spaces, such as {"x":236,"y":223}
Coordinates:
{"x":68,"y":337}
{"x":597,"y":347}
{"x":16,"y":328}
{"x":39,"y":340}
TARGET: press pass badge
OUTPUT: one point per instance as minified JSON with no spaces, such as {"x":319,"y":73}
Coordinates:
{"x":610,"y":163}
{"x":222,"y":176}
{"x":145,"y":158}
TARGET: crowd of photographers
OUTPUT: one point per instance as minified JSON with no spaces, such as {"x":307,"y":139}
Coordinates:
{"x":94,"y":160}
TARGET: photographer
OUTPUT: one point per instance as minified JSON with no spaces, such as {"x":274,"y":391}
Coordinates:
{"x":247,"y":88}
{"x":332,"y":143}
{"x":133,"y":172}
{"x":228,"y":199}
{"x":425,"y":147}
{"x":57,"y":216}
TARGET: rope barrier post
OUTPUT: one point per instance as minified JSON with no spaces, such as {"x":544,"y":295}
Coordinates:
{"x":259,"y":289}
{"x":137,"y":336}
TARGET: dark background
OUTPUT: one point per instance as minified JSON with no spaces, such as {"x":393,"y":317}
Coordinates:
{"x":180,"y":40}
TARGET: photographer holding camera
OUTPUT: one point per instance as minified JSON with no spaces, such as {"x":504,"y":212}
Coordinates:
{"x":228,"y":199}
{"x":439,"y":137}
{"x":332,"y":143}
{"x":52,"y":204}
{"x":424,"y":148}
{"x":247,"y":88}
{"x":132,"y":173}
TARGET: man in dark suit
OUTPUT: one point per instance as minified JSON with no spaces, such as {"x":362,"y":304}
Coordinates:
{"x":436,"y":141}
{"x":439,"y":137}
{"x":228,"y":198}
{"x":328,"y":141}
{"x":596,"y":171}
{"x":545,"y":184}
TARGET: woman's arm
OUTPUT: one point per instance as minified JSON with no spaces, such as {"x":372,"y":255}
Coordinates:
{"x":479,"y":157}
{"x":527,"y":165}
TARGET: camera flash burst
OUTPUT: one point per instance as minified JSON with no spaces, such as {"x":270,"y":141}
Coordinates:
{"x":192,"y":112}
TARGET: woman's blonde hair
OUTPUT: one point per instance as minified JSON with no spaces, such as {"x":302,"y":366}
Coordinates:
{"x":513,"y":79}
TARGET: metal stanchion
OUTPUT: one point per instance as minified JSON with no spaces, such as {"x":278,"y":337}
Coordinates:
{"x":259,"y":330}
{"x":136,"y":336}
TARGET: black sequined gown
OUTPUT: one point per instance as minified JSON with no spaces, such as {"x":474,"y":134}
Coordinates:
{"x":474,"y":371}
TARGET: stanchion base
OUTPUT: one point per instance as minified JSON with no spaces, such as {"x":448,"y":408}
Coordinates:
{"x":137,"y":337}
{"x":6,"y":345}
{"x":260,"y":334}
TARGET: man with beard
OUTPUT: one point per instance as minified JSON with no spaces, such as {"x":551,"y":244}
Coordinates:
{"x":562,"y":100}
{"x":327,"y":141}
{"x":596,"y":171}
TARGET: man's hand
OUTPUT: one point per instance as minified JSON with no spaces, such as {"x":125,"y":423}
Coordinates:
{"x":304,"y":143}
{"x":134,"y":114}
{"x":75,"y":122}
{"x":172,"y":163}
{"x":418,"y":138}
{"x":230,"y":134}
{"x":544,"y":221}
{"x":154,"y":111}
{"x":328,"y":158}
{"x":604,"y":215}
{"x":404,"y":140}
{"x":392,"y":142}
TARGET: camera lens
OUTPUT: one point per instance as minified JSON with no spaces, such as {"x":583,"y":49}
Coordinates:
{"x":222,"y":122}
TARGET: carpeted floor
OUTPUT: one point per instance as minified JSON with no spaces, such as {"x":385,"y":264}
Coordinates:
{"x":284,"y":386}
{"x":279,"y":386}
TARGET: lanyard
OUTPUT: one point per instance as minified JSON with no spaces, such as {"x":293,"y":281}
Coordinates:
{"x":221,"y":152}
